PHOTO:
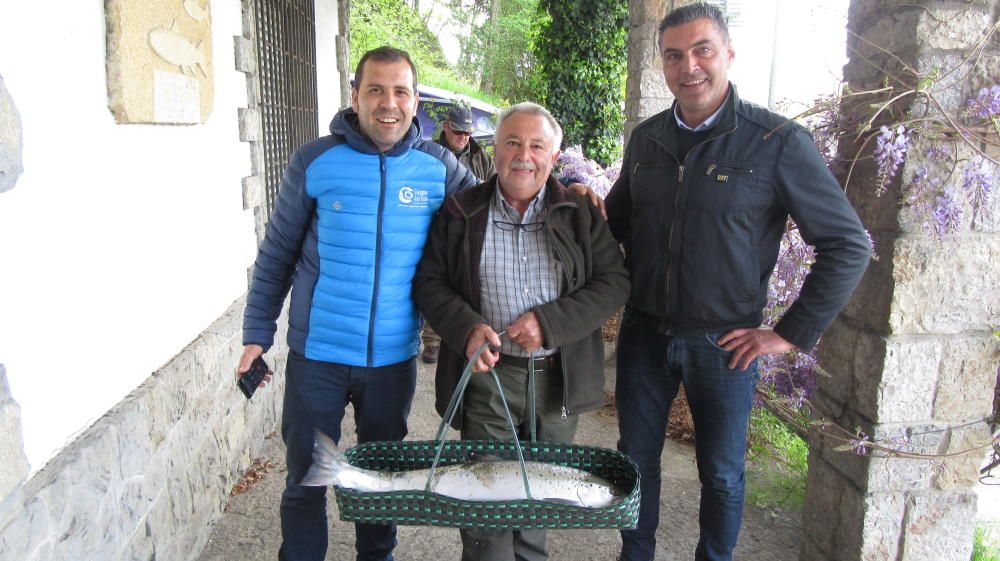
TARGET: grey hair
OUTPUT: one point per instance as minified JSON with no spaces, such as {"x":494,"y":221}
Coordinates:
{"x":692,"y":12}
{"x":531,"y":109}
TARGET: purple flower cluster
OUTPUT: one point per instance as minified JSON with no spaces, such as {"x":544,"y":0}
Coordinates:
{"x":573,"y":163}
{"x":986,"y":104}
{"x":889,"y":153}
{"x":977,"y":182}
{"x":946,"y":213}
{"x":790,"y":375}
{"x":860,"y":444}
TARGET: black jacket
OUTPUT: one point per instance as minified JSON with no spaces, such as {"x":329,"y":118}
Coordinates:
{"x":702,"y":236}
{"x":473,"y":157}
{"x":447,"y":289}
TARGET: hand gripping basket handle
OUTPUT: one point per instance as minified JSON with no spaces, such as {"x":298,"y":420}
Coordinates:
{"x":456,"y":398}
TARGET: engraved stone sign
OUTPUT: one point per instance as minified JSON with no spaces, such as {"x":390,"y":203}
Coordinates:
{"x":160,"y":61}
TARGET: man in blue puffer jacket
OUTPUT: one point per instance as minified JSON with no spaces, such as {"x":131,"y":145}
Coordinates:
{"x":345,"y":236}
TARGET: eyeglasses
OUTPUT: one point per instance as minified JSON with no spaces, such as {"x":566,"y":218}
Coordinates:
{"x":526,"y":226}
{"x":460,"y":133}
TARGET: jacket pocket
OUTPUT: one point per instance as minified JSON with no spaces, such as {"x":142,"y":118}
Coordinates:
{"x":726,"y":186}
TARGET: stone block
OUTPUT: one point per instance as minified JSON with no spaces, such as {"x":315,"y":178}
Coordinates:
{"x":821,"y":510}
{"x":249,"y":124}
{"x":938,"y":526}
{"x":905,"y":390}
{"x":245,"y":54}
{"x":945,"y":286}
{"x":869,"y":305}
{"x":11,"y":143}
{"x":953,"y":28}
{"x":253,"y":191}
{"x":836,"y":356}
{"x":874,"y":527}
{"x":645,"y":11}
{"x":12,"y":457}
{"x":882,"y":26}
{"x":967,"y":378}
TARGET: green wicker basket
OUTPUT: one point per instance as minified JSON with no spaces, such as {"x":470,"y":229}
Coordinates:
{"x":426,"y":508}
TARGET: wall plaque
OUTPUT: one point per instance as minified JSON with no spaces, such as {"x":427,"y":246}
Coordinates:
{"x":159,"y":61}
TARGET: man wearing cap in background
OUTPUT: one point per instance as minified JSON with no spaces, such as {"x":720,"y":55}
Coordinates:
{"x":456,"y":135}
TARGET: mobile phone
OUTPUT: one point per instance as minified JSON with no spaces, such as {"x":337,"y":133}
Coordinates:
{"x":248,"y":382}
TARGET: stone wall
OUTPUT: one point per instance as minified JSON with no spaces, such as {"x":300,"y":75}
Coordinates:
{"x":913,"y":354}
{"x":10,"y":141}
{"x":12,"y":458}
{"x":148,"y":479}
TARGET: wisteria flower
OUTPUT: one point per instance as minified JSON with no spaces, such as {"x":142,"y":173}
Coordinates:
{"x":977,"y":182}
{"x":947,"y":213}
{"x":890,"y":149}
{"x":986,"y":104}
{"x":572,"y":163}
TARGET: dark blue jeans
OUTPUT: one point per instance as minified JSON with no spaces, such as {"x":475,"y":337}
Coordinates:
{"x":316,"y":396}
{"x":651,"y":368}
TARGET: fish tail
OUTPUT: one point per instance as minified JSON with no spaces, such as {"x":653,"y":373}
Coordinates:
{"x":328,"y":463}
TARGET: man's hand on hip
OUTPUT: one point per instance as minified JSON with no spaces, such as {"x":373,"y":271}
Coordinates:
{"x":750,"y":343}
{"x":527,"y":332}
{"x":480,"y":334}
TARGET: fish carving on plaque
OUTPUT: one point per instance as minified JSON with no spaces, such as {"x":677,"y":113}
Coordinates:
{"x":160,"y":61}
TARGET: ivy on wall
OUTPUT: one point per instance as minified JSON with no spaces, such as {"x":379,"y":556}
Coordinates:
{"x":581,"y":48}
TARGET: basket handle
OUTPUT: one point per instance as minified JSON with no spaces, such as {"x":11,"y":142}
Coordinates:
{"x":456,"y":398}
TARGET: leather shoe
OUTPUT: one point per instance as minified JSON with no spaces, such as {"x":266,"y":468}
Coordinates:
{"x":430,"y":354}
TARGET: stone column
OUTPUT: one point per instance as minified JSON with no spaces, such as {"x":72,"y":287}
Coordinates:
{"x":12,"y":458}
{"x":646,"y":93}
{"x":913,"y":352}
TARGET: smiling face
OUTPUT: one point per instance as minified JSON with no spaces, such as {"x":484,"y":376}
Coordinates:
{"x":385,"y":102}
{"x":525,"y":153}
{"x":696,"y":61}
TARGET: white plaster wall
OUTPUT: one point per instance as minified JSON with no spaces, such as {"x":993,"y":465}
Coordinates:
{"x":327,"y":75}
{"x":120,"y":243}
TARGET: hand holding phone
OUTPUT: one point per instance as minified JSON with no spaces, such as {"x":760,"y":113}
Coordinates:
{"x":249,"y":381}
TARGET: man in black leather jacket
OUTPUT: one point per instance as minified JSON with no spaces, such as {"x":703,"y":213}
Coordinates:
{"x":705,"y":192}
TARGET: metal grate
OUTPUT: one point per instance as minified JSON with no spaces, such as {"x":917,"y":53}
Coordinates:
{"x":286,"y":56}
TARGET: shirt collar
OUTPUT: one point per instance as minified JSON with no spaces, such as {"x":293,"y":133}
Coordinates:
{"x":707,"y":124}
{"x":534,"y":207}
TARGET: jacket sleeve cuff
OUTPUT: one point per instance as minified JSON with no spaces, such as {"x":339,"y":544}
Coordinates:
{"x":258,"y":337}
{"x":803,"y":336}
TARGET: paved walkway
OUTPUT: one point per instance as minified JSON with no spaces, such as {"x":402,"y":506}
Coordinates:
{"x":250,"y":530}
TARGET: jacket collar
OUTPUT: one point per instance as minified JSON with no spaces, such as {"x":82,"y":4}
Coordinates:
{"x":472,"y":147}
{"x":346,"y":125}
{"x":664,"y":132}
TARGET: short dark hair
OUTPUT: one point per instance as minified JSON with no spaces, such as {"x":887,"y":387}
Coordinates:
{"x":691,"y":12}
{"x":383,"y":54}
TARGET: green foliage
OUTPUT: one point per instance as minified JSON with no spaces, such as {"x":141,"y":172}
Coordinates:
{"x":581,"y":48}
{"x":983,"y":547}
{"x":498,"y":53}
{"x":391,"y":22}
{"x":778,"y":462}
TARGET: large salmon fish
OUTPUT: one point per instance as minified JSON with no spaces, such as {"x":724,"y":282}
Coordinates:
{"x":490,"y":480}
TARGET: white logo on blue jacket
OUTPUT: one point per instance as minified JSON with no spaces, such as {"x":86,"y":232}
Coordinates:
{"x":411,"y":197}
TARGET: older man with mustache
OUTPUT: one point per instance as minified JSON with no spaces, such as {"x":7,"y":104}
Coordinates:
{"x":521,"y":256}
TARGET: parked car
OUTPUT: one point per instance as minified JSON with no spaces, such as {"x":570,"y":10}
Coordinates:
{"x":434,"y":104}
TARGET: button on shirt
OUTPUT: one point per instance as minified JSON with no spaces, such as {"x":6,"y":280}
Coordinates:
{"x":517,"y":270}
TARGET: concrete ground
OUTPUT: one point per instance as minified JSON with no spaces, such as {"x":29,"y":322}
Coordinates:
{"x":250,"y":530}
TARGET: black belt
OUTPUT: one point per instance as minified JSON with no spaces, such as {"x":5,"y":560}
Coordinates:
{"x":543,"y":364}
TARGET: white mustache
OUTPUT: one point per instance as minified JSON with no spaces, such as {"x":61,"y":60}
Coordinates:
{"x":518,"y":166}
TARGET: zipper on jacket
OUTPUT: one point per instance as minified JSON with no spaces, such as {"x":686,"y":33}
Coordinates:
{"x":677,"y":195}
{"x":378,"y":259}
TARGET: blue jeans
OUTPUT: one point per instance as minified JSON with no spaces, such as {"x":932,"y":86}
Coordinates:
{"x":316,"y":397}
{"x":651,"y":368}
